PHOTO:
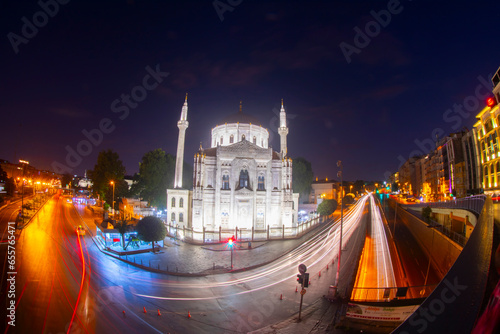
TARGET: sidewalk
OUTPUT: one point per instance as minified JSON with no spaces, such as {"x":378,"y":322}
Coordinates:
{"x":322,"y":316}
{"x":179,"y":258}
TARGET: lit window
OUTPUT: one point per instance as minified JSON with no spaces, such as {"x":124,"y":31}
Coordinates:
{"x":255,"y":140}
{"x":172,"y":216}
{"x":181,"y":217}
{"x":260,"y":185}
{"x":231,"y":139}
{"x":244,"y":179}
{"x":242,"y":137}
{"x":173,"y":202}
{"x":181,"y":203}
{"x":225,"y":182}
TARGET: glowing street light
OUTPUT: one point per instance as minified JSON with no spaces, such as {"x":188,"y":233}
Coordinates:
{"x":113,"y":207}
{"x":230,"y":243}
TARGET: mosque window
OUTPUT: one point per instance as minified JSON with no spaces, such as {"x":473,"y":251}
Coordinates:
{"x":221,"y":140}
{"x":231,"y":139}
{"x":242,"y":137}
{"x":181,"y":217}
{"x":244,"y":179}
{"x":260,"y":184}
{"x":225,"y":182}
{"x":181,"y":202}
{"x":255,"y":140}
{"x":172,"y":216}
{"x":173,"y":202}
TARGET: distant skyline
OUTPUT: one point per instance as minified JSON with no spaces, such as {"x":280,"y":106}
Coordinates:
{"x":368,"y":83}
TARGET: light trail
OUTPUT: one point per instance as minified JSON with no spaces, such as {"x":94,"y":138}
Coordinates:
{"x":376,"y":269}
{"x":311,"y":252}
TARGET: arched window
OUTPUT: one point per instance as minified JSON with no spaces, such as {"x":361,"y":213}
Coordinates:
{"x":181,"y":203}
{"x":173,"y":202}
{"x":172,"y":216}
{"x":225,"y":181}
{"x":244,"y":179}
{"x":181,"y":217}
{"x":242,"y":137}
{"x":231,"y":139}
{"x":262,"y":142}
{"x":255,"y":140}
{"x":260,"y":184}
{"x":221,"y":140}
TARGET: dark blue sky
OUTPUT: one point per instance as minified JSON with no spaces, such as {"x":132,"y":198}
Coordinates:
{"x":367,"y":113}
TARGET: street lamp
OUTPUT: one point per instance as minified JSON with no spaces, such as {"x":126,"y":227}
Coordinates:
{"x":113,"y":207}
{"x":339,"y":174}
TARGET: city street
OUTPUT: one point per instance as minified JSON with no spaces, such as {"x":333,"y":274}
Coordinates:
{"x":65,"y":281}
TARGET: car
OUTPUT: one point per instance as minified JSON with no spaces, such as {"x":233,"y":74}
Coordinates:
{"x":80,"y":230}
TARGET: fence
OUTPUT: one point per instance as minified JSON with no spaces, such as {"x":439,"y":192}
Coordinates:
{"x":387,"y":294}
{"x":472,"y":203}
{"x":242,"y":234}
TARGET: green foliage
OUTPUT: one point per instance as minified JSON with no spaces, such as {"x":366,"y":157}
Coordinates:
{"x":426,"y":214}
{"x":66,"y":180}
{"x":151,"y":229}
{"x":327,"y":207}
{"x":122,"y":228}
{"x":106,"y":206}
{"x":302,"y":177}
{"x":156,"y":174}
{"x":395,"y":187}
{"x":121,"y":191}
{"x":347,"y":200}
{"x":108,"y":168}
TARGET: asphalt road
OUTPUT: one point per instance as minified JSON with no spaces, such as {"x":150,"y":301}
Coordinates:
{"x":64,"y":284}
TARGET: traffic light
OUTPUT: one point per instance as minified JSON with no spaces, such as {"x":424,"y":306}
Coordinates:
{"x":306,"y":280}
{"x":230,"y":242}
{"x":300,"y":279}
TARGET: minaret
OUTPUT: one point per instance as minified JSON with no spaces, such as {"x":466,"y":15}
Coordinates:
{"x":283,"y":131}
{"x":182,"y":124}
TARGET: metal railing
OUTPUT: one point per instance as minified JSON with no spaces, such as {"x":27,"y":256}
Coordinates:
{"x":241,"y":234}
{"x":473,"y":203}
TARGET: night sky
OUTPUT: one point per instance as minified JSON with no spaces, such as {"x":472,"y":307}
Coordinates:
{"x":396,"y":88}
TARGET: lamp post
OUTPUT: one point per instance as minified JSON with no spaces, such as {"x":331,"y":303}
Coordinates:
{"x":339,"y":174}
{"x":113,"y":207}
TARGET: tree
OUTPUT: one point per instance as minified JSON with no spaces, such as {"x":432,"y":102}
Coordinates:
{"x":327,"y":207}
{"x":302,"y":177}
{"x":426,"y":214}
{"x":122,"y":228}
{"x":121,"y":191}
{"x":155,"y":171}
{"x":108,"y":168}
{"x":151,"y":229}
{"x":348,"y":199}
{"x":66,"y":180}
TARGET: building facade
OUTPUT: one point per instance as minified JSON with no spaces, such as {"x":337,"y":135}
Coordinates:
{"x":240,"y":181}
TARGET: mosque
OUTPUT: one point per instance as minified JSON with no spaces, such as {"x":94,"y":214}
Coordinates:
{"x":240,"y":181}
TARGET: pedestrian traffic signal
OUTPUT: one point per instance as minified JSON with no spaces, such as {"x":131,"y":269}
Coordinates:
{"x":306,"y":280}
